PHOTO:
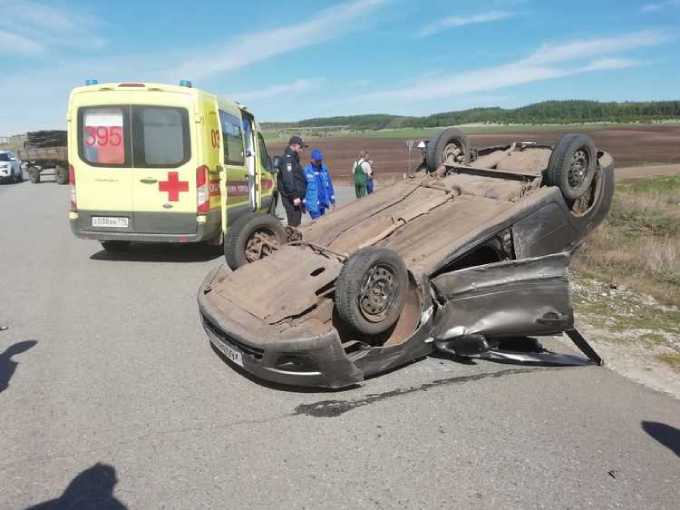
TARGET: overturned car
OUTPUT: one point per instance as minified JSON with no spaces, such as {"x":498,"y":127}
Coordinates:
{"x":465,"y":258}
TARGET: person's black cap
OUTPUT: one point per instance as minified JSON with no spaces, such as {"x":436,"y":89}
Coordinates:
{"x":295,"y":139}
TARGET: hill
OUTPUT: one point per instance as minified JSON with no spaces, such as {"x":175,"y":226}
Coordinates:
{"x":548,"y":112}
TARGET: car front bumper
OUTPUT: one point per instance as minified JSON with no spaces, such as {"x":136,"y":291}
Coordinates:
{"x":316,"y":361}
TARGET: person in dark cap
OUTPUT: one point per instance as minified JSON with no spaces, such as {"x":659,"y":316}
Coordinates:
{"x":291,"y":183}
{"x":320,"y":193}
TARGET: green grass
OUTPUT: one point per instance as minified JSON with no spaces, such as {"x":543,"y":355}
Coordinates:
{"x":639,"y":244}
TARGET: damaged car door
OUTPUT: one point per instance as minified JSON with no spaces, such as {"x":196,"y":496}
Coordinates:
{"x":514,"y":298}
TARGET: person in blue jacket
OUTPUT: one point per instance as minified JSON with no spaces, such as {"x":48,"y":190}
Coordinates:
{"x":320,"y":193}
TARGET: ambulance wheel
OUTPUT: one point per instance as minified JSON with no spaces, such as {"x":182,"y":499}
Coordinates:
{"x":370,"y":290}
{"x":251,"y":238}
{"x":115,"y":246}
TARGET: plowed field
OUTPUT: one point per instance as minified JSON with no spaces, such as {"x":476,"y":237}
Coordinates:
{"x":630,"y":146}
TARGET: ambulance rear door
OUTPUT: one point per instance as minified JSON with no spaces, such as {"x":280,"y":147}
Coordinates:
{"x":164,"y":173}
{"x":102,"y":167}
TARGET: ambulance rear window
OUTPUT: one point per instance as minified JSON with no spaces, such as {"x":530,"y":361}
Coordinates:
{"x":134,"y":136}
{"x":103,"y":137}
{"x":160,"y":136}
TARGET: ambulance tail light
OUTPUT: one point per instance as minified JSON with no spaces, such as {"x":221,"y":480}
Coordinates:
{"x":202,"y":190}
{"x":72,"y":182}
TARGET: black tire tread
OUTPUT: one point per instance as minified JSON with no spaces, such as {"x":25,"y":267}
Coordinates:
{"x":562,"y":152}
{"x":435,"y":147}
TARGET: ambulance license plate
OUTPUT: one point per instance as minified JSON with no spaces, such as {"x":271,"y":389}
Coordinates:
{"x":110,"y":222}
{"x":229,"y":352}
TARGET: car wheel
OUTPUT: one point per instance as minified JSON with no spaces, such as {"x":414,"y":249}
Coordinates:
{"x":592,"y":207}
{"x":20,"y":175}
{"x":370,"y":290}
{"x":451,"y":146}
{"x":251,"y":238}
{"x":115,"y":246}
{"x":34,"y":174}
{"x":572,"y":165}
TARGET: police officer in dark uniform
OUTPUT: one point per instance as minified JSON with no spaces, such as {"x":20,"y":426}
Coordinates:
{"x":292,"y":184}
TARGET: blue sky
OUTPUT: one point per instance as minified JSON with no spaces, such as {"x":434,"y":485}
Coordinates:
{"x":289,"y":61}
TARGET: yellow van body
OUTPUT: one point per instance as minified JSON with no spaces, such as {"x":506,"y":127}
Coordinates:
{"x":162,"y":163}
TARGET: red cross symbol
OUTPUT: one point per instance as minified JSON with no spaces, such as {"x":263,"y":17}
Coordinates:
{"x":173,"y":186}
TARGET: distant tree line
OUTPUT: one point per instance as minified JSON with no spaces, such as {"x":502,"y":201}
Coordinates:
{"x":548,"y":112}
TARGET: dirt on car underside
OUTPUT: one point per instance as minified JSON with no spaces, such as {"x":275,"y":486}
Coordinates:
{"x":423,"y":219}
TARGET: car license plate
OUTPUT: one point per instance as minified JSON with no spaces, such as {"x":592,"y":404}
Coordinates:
{"x":230,"y":353}
{"x":110,"y":222}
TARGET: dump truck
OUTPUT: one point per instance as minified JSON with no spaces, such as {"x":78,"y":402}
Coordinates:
{"x":46,"y":152}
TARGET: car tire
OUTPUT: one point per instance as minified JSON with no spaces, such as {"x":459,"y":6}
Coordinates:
{"x":115,"y":246}
{"x":572,"y":165}
{"x":61,"y":175}
{"x":34,"y":174}
{"x":451,"y":144}
{"x":370,"y":290}
{"x":20,"y":176}
{"x":252,"y":237}
{"x":590,"y":209}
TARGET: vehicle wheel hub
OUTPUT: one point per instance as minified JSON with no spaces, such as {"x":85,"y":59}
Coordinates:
{"x":452,"y":154}
{"x":261,"y":244}
{"x":378,"y":292}
{"x":578,"y":169}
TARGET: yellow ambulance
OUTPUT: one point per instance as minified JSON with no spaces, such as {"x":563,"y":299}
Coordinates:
{"x":163,"y":163}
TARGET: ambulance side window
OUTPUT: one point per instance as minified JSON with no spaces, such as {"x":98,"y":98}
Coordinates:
{"x":232,"y":138}
{"x":264,"y":155}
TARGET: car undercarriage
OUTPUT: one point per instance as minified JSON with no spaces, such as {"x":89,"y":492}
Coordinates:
{"x":474,"y":253}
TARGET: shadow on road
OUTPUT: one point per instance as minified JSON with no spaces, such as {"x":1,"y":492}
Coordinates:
{"x":92,"y":488}
{"x":665,"y":434}
{"x":161,"y":253}
{"x":8,"y":365}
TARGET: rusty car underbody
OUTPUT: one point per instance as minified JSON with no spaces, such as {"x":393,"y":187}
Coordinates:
{"x":487,"y":246}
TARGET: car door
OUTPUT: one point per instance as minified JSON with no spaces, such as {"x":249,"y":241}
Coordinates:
{"x":265,"y":173}
{"x":250,"y":153}
{"x":164,"y":175}
{"x":102,"y":163}
{"x":512,"y":298}
{"x":236,"y":193}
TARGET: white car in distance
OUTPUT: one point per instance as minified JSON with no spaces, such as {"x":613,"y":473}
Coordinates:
{"x":10,"y":167}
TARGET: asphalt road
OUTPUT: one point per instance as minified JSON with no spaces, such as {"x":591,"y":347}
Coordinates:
{"x":111,"y":397}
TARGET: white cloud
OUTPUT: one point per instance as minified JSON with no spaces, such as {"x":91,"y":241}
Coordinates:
{"x":33,"y":28}
{"x":586,"y":48}
{"x":460,"y":21}
{"x":659,"y":6}
{"x":548,"y":62}
{"x":286,"y":89}
{"x":15,"y":44}
{"x":248,"y":49}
